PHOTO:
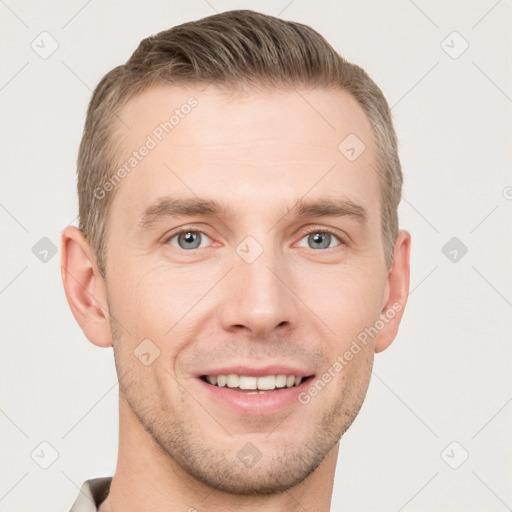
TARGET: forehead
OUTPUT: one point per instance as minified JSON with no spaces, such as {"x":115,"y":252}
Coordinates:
{"x":309,"y":115}
{"x":204,"y":141}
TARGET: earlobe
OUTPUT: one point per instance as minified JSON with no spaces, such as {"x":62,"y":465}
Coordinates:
{"x":84,"y":287}
{"x":397,"y":290}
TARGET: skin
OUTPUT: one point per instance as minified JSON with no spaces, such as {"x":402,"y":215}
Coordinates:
{"x":295,"y":304}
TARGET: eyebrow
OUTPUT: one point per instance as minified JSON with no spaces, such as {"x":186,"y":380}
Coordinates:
{"x":188,"y":207}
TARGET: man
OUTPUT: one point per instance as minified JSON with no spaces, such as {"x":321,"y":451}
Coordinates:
{"x":239,"y":249}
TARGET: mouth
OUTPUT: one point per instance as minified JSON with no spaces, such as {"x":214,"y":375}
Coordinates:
{"x":254,"y":385}
{"x":260,"y":394}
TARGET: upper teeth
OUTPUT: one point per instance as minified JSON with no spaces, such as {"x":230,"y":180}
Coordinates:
{"x":246,"y":382}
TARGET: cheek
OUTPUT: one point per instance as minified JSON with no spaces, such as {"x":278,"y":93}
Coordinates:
{"x":161,"y":301}
{"x":162,"y":305}
{"x":356,"y":377}
{"x":346,"y":299}
{"x":152,"y":300}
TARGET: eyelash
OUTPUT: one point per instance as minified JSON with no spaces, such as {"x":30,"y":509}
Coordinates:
{"x":309,"y":232}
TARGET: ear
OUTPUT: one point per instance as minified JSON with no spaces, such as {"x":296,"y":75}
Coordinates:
{"x":397,"y":290}
{"x":85,"y":288}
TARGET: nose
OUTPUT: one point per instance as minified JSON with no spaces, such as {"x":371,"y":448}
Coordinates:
{"x":259,"y":296}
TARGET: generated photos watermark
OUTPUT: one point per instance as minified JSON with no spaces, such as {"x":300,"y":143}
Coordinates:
{"x":362,"y":339}
{"x":156,"y":136}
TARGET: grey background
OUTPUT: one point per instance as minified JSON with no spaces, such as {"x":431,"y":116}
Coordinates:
{"x":445,"y":379}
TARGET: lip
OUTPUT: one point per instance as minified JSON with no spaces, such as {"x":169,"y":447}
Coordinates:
{"x":251,"y":371}
{"x":254,"y":404}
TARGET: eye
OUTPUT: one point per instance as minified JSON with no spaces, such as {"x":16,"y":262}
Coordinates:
{"x":188,"y":239}
{"x":321,"y":239}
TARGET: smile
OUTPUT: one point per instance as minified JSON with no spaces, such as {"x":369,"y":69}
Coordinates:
{"x":251,"y":384}
{"x":254,"y":395}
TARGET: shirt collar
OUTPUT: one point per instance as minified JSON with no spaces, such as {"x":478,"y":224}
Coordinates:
{"x":92,"y":493}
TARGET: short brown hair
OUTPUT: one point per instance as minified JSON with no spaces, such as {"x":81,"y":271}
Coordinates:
{"x":233,"y":49}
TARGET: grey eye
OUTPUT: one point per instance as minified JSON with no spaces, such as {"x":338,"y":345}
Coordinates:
{"x":189,"y":240}
{"x":319,"y":240}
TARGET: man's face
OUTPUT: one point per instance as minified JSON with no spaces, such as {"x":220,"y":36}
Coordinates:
{"x":250,"y":288}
